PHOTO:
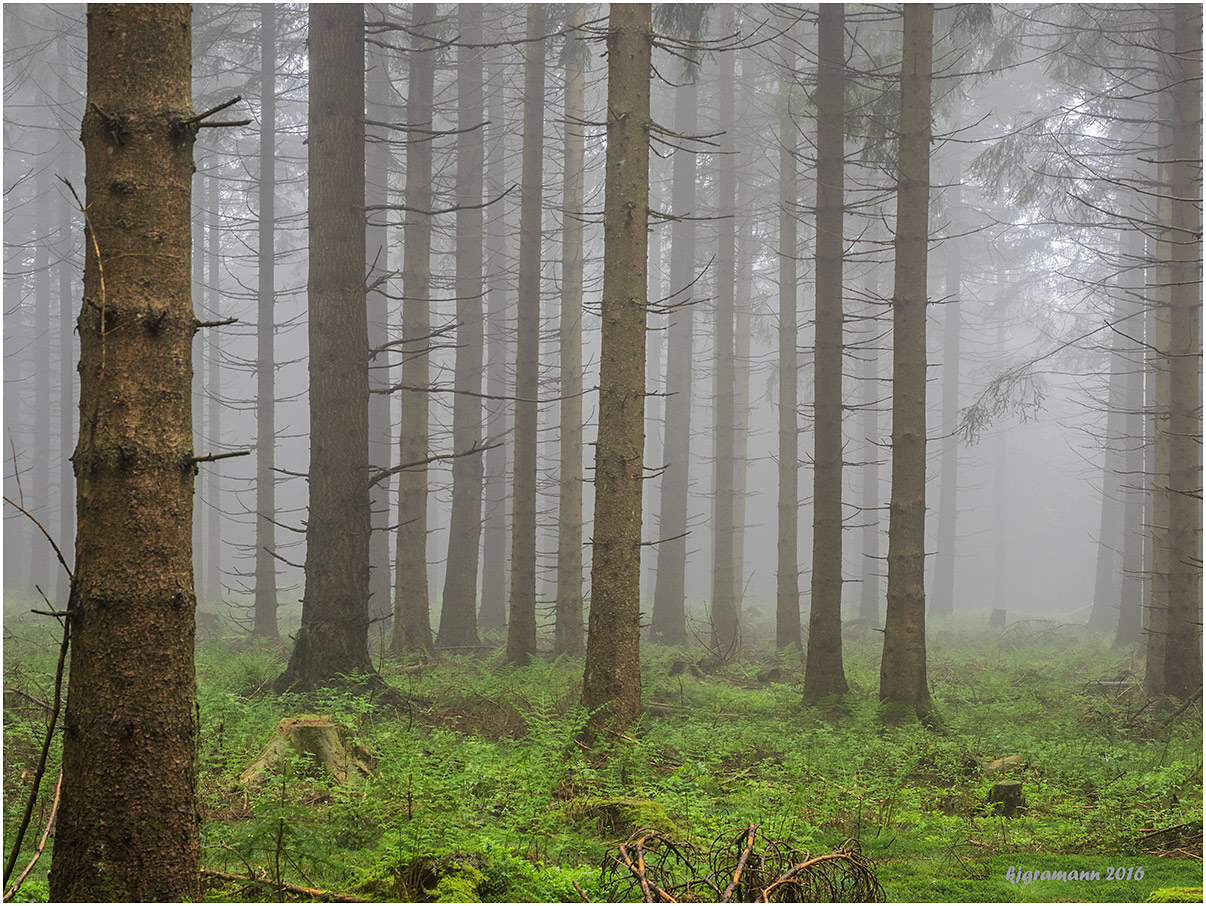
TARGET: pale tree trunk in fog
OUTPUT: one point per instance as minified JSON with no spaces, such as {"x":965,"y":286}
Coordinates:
{"x":942,"y":592}
{"x":1105,"y":613}
{"x":726,"y":628}
{"x":1000,"y":570}
{"x":493,"y":614}
{"x":1130,"y":617}
{"x":1183,"y":655}
{"x":38,"y":488}
{"x":521,"y":628}
{"x":412,"y":618}
{"x":213,"y":428}
{"x":872,"y":565}
{"x":612,"y":681}
{"x":568,"y":636}
{"x":787,"y":606}
{"x":377,"y":265}
{"x":333,"y":639}
{"x":458,"y":616}
{"x":902,"y":671}
{"x":265,"y":606}
{"x":741,"y":404}
{"x":1159,"y":381}
{"x":823,"y":673}
{"x":67,"y":413}
{"x":669,"y":604}
{"x":127,"y":820}
{"x":198,"y":352}
{"x":654,"y":381}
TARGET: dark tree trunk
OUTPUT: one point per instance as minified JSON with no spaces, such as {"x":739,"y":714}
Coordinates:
{"x":902,"y":671}
{"x":568,"y":630}
{"x":412,"y":616}
{"x":823,"y":673}
{"x":493,"y":614}
{"x":333,"y":639}
{"x":726,"y":628}
{"x":127,"y":822}
{"x":521,"y":629}
{"x":458,"y":617}
{"x":612,"y":682}
{"x":669,"y":610}
{"x":787,"y":597}
{"x":265,"y":409}
{"x":377,"y":156}
{"x":1183,"y":656}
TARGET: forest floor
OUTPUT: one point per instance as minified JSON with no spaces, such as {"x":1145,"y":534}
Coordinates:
{"x":483,"y":788}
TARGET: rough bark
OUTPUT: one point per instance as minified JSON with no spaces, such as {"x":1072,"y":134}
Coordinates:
{"x":568,"y":638}
{"x":458,"y":616}
{"x":521,"y":628}
{"x":127,"y":822}
{"x":412,"y":616}
{"x":823,"y":673}
{"x":669,"y":605}
{"x":787,"y":589}
{"x":265,"y":604}
{"x":726,"y":628}
{"x":377,"y":156}
{"x":333,"y":639}
{"x":612,"y":681}
{"x":902,"y":671}
{"x":493,"y":614}
{"x":1183,"y":657}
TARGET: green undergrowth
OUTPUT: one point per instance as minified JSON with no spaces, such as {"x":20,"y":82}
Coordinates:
{"x":484,"y":790}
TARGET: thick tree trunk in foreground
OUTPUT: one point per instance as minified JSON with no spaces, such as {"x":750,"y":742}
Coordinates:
{"x":1183,"y":656}
{"x":726,"y":624}
{"x":669,"y":606}
{"x":787,"y":598}
{"x":412,"y":616}
{"x":264,"y":609}
{"x":823,"y":673}
{"x":612,"y":681}
{"x":333,"y":639}
{"x":568,"y":629}
{"x":127,"y":823}
{"x":458,"y":616}
{"x":521,"y":629}
{"x":902,"y":672}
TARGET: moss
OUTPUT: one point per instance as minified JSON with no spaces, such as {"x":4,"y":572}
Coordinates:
{"x":1176,"y":895}
{"x":621,"y":816}
{"x":460,"y":883}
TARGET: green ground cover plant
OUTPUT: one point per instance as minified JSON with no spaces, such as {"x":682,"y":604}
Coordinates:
{"x":483,"y":788}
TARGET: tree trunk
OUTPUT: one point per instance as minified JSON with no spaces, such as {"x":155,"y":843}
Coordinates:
{"x":265,"y":606}
{"x":1183,"y":657}
{"x":127,"y":822}
{"x":493,"y":614}
{"x":38,"y":501}
{"x":726,"y":627}
{"x":67,"y":411}
{"x":568,"y":631}
{"x":458,"y":616}
{"x":669,"y":604}
{"x":521,"y":629}
{"x":377,"y":156}
{"x":823,"y":673}
{"x":412,"y":617}
{"x":787,"y":598}
{"x":612,"y":681}
{"x":333,"y":639}
{"x":902,"y":671}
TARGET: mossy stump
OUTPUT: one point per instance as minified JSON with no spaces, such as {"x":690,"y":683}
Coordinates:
{"x":315,"y":737}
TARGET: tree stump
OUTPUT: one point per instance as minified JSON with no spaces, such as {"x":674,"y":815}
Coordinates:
{"x":316,"y":737}
{"x":997,"y":618}
{"x":1005,"y":798}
